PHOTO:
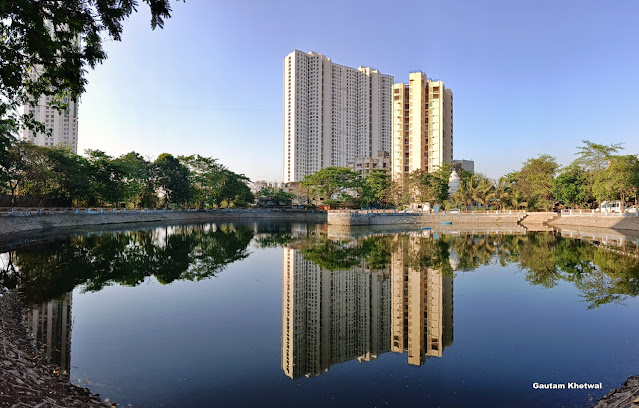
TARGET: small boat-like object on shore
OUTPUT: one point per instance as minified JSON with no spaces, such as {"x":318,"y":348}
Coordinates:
{"x":446,"y":223}
{"x":425,"y":228}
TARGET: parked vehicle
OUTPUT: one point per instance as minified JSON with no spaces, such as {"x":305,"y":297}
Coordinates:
{"x":608,"y":207}
{"x":454,"y":211}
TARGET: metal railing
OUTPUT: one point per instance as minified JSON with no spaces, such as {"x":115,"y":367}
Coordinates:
{"x":422,"y":212}
{"x":589,"y":213}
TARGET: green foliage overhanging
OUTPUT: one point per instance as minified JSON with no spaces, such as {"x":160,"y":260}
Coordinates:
{"x":47,"y":46}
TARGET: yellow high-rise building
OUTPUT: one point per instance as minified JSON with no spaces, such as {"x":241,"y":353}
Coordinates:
{"x":422,"y":125}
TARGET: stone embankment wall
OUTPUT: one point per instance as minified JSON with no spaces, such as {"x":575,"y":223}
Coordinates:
{"x":373,"y":218}
{"x":10,"y":225}
{"x":539,"y":217}
{"x":619,"y":222}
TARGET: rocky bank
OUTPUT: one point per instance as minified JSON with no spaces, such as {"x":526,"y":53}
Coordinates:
{"x":26,"y":378}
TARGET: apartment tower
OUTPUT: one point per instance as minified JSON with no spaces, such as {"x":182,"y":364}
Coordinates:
{"x":422,"y":125}
{"x":333,"y":115}
{"x":62,"y":126}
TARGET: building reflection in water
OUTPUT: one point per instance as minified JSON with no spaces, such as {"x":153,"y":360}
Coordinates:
{"x":329,"y":317}
{"x":50,"y":325}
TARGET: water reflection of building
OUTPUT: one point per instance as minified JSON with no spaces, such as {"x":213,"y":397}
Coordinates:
{"x":422,"y":306}
{"x":50,"y":326}
{"x":329,"y":317}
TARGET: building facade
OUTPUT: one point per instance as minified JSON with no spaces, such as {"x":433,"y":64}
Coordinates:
{"x":333,"y":114}
{"x":422,"y":125}
{"x":364,"y":165}
{"x":62,"y":126}
{"x":468,"y":165}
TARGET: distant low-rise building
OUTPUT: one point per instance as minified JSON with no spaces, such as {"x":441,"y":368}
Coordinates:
{"x":468,"y":165}
{"x":259,"y":185}
{"x":264,"y":201}
{"x":364,"y":165}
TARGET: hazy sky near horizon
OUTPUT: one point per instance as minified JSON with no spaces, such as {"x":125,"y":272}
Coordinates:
{"x":528,"y":77}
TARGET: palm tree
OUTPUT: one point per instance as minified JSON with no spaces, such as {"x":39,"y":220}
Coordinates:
{"x":471,"y":189}
{"x":484,"y":192}
{"x":459,"y":198}
{"x":517,"y":200}
{"x":502,"y":192}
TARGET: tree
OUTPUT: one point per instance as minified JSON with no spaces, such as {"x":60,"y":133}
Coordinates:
{"x":40,"y":176}
{"x":331,"y":182}
{"x":6,"y":159}
{"x":206,"y":176}
{"x":459,"y":197}
{"x":483,"y":192}
{"x":41,"y":54}
{"x":137,"y":180}
{"x":442,"y":177}
{"x":106,"y":178}
{"x":376,"y":188}
{"x":502,"y":192}
{"x":619,"y":180}
{"x":535,"y":181}
{"x":426,"y":187}
{"x":71,"y":178}
{"x":518,"y":200}
{"x":15,"y":167}
{"x":172,"y":179}
{"x":572,"y":187}
{"x":233,"y":190}
{"x":400,"y":194}
{"x":594,"y":157}
{"x":275,"y":193}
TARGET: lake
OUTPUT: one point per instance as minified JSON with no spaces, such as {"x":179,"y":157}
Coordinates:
{"x":263,"y":314}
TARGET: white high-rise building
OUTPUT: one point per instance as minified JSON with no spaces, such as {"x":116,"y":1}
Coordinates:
{"x":333,"y":115}
{"x":63,"y":125}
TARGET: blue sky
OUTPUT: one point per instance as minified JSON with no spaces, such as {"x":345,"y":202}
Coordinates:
{"x":528,"y":77}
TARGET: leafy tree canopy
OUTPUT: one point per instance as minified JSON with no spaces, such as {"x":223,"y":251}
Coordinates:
{"x":46,"y":46}
{"x":594,"y":157}
{"x":331,"y":181}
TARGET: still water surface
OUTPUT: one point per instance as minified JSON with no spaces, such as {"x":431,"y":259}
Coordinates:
{"x":302,"y":315}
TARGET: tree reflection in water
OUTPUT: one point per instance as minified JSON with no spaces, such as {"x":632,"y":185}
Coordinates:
{"x":48,"y":271}
{"x":602,"y":276}
{"x":195,"y":252}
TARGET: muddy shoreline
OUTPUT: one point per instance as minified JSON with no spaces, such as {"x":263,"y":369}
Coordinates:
{"x":27,"y":379}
